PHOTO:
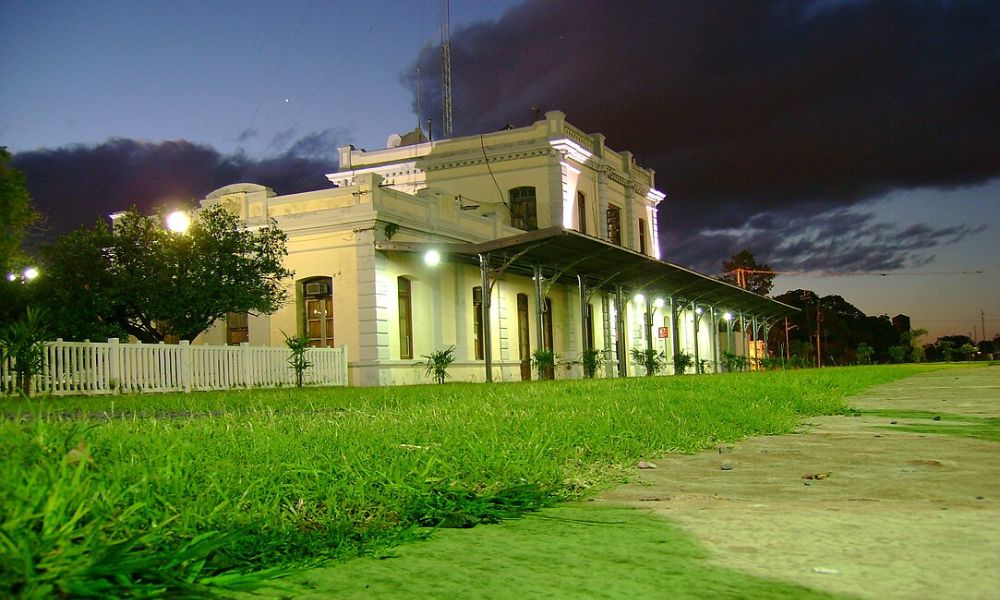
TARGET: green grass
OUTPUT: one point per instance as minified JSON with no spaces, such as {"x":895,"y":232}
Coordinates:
{"x":982,"y":428}
{"x":190,"y":493}
{"x":573,"y":551}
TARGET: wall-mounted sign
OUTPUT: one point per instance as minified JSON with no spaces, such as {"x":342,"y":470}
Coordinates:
{"x":663,"y":332}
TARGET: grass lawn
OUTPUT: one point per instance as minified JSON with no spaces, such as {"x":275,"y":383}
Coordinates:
{"x":184,"y":494}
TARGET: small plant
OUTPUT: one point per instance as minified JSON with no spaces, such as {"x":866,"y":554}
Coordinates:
{"x":653,"y":360}
{"x":682,"y":360}
{"x":21,"y":342}
{"x":592,"y":361}
{"x":544,"y":362}
{"x":298,"y":345}
{"x":438,"y":362}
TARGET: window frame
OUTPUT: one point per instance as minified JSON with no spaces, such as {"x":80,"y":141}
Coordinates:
{"x":614,"y":224}
{"x":523,"y":204}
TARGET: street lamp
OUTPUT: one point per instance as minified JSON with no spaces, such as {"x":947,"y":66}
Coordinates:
{"x":30,"y":273}
{"x":178,"y":221}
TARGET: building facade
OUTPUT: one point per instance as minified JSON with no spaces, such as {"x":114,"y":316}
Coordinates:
{"x":544,"y":239}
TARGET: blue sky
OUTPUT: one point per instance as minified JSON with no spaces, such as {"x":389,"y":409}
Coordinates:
{"x":270,"y":81}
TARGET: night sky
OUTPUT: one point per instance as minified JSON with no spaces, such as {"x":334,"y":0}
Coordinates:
{"x":832,"y":138}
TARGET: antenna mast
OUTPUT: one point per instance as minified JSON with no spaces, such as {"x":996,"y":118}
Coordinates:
{"x":446,"y":68}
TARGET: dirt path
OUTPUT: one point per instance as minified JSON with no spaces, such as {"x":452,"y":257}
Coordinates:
{"x":901,"y":515}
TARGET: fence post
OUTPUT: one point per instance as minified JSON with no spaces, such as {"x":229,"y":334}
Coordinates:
{"x":114,"y":366}
{"x":246,"y":360}
{"x":186,"y":368}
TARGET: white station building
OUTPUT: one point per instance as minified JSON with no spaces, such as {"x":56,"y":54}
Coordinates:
{"x":500,"y":244}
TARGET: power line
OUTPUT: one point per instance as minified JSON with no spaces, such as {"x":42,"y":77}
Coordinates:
{"x":741,"y":272}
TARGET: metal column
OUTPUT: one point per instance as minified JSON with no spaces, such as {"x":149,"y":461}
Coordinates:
{"x":675,"y":342}
{"x":539,"y":307}
{"x":695,"y":318}
{"x":620,"y":331}
{"x":484,"y":270}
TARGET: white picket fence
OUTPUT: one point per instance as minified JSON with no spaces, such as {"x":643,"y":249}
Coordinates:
{"x":83,"y":368}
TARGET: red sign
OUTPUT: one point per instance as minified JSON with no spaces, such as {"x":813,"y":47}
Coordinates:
{"x":663,"y":332}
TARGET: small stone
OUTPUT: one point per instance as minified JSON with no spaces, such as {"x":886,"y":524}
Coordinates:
{"x":980,"y":497}
{"x":878,"y":435}
{"x":727,"y":466}
{"x":645,"y":465}
{"x":893,"y":422}
{"x":937,"y":417}
{"x":825,"y":571}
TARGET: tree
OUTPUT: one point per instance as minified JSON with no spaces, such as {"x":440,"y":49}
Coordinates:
{"x":743,"y":269}
{"x":151,"y":283}
{"x":16,"y":213}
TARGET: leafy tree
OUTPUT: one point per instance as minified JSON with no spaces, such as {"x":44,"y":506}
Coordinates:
{"x":16,"y":214}
{"x":910,"y":340}
{"x":864,"y":354}
{"x":742,"y":268}
{"x":146,"y":281}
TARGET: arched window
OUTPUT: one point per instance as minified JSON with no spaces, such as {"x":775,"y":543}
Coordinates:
{"x":523,"y":208}
{"x":317,"y":307}
{"x":405,"y":305}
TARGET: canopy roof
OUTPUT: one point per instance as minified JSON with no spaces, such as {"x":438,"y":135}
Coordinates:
{"x":563,"y":254}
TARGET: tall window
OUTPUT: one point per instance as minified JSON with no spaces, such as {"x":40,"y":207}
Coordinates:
{"x":523,"y":210}
{"x":405,"y":305}
{"x":581,"y":211}
{"x":642,"y":236}
{"x":523,"y":337}
{"x":477,"y":320}
{"x":237,"y":328}
{"x":615,"y":225}
{"x":317,"y":305}
{"x":588,"y":328}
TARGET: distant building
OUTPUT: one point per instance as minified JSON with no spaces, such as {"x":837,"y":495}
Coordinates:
{"x":545,"y":239}
{"x":901,"y":323}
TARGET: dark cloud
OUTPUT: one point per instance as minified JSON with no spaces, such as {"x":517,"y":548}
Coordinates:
{"x":76,"y":185}
{"x":837,"y":240}
{"x":780,"y":109}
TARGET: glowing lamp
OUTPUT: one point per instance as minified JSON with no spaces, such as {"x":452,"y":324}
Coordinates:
{"x":727,"y":316}
{"x":178,"y":221}
{"x":658,"y":303}
{"x":432,"y":258}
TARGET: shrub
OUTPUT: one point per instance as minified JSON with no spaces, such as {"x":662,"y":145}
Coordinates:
{"x":544,"y":362}
{"x":592,"y":361}
{"x":682,"y":360}
{"x":22,"y":343}
{"x":653,"y":360}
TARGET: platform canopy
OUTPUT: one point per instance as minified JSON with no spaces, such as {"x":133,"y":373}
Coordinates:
{"x":563,"y":254}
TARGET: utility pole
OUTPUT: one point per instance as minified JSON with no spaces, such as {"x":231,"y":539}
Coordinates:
{"x":982,"y":321}
{"x":819,"y":322}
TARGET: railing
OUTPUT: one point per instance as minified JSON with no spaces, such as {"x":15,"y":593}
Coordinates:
{"x":90,"y":368}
